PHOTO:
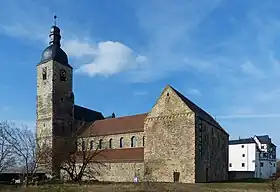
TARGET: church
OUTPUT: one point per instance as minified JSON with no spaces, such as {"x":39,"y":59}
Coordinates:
{"x":176,"y":141}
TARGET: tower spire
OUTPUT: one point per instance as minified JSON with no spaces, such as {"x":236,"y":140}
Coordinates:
{"x":55,"y":17}
{"x":55,"y":34}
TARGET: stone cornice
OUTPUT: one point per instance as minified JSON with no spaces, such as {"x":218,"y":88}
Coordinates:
{"x":169,"y":117}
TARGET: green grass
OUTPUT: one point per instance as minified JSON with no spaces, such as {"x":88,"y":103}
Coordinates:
{"x":253,"y":186}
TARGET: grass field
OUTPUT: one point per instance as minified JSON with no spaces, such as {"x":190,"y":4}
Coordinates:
{"x":141,"y":187}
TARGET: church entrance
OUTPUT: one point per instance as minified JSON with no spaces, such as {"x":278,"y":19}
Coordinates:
{"x":176,"y":176}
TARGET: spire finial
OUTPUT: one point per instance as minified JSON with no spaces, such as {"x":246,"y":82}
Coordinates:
{"x":54,"y":34}
{"x":55,"y":17}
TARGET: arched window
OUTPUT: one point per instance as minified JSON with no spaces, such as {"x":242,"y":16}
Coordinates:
{"x":133,"y":141}
{"x":110,"y":143}
{"x":83,"y":145}
{"x":91,"y":145}
{"x":121,"y":142}
{"x":143,"y":141}
{"x":100,"y":144}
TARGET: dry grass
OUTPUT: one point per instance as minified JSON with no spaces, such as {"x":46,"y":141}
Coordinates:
{"x":141,"y":187}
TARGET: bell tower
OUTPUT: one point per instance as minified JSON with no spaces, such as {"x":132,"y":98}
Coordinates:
{"x":55,"y":101}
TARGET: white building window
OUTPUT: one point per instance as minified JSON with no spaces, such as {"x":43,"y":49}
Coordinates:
{"x":243,"y":155}
{"x":242,"y":146}
{"x":230,"y":165}
{"x":243,"y":165}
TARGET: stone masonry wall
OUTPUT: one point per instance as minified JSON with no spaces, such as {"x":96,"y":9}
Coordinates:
{"x":114,"y":172}
{"x":44,"y":107}
{"x":115,"y":140}
{"x":170,"y":133}
{"x":54,"y":107}
{"x":211,"y":152}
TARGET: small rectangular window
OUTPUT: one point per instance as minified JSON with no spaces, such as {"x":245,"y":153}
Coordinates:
{"x":44,"y":73}
{"x":243,"y":155}
{"x":261,"y":164}
{"x":243,"y":164}
{"x":230,"y":165}
{"x":242,"y":146}
{"x":262,"y":147}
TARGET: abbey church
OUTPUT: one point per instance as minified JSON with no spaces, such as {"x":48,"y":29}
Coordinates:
{"x":176,"y":141}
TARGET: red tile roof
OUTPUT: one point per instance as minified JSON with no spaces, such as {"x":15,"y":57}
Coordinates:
{"x":125,"y":155}
{"x":120,"y":125}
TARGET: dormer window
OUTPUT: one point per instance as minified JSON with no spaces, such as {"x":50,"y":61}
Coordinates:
{"x":44,"y":73}
{"x":62,"y":75}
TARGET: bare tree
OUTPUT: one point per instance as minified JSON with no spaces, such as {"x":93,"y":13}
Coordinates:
{"x":27,"y":150}
{"x":7,"y":158}
{"x":82,"y":162}
{"x":274,"y":183}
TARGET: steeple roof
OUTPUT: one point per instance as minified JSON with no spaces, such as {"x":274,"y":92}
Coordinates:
{"x":54,"y":51}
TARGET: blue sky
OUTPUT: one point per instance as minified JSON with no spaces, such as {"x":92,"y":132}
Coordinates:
{"x":223,"y":55}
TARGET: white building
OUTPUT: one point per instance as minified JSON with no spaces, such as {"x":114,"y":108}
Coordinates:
{"x":252,"y":157}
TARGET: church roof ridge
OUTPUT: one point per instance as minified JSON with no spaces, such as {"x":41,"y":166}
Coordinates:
{"x":120,"y":125}
{"x":198,"y":110}
{"x":122,"y":117}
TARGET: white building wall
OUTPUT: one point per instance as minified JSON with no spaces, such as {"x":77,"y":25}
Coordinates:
{"x":254,"y":160}
{"x":236,"y":157}
{"x":257,"y":165}
{"x":266,"y":169}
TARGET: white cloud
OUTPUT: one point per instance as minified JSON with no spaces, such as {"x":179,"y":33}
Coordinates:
{"x":5,"y":108}
{"x":269,"y":96}
{"x":140,"y":93}
{"x":102,"y":58}
{"x":141,"y":59}
{"x":110,"y":58}
{"x":78,"y":48}
{"x":249,"y":116}
{"x":249,"y":68}
{"x":195,"y":92}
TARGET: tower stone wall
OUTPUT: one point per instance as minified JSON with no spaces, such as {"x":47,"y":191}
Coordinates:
{"x":55,"y":104}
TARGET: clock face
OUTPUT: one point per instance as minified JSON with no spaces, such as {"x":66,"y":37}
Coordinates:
{"x":62,"y":72}
{"x":62,"y":75}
